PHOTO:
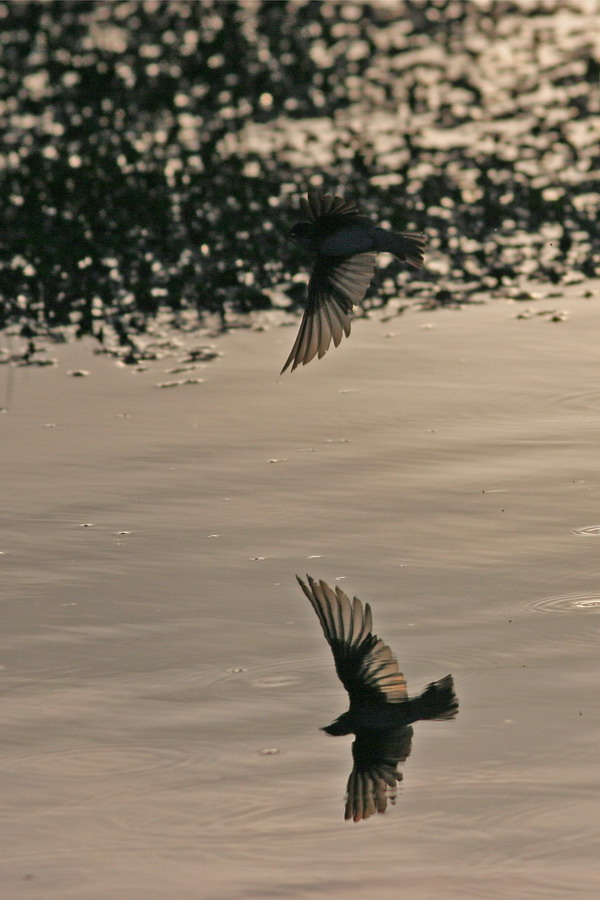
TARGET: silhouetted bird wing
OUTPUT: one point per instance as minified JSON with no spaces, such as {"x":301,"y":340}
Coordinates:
{"x":372,"y":781}
{"x":365,"y":665}
{"x":336,"y":284}
{"x":330,"y":213}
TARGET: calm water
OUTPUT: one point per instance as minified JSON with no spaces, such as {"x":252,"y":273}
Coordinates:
{"x":444,"y":467}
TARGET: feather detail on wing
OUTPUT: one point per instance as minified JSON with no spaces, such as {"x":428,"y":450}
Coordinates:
{"x":318,"y":205}
{"x":336,"y":284}
{"x":365,"y":665}
{"x":373,"y":780}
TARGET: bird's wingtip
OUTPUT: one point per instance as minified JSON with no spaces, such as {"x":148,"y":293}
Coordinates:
{"x":290,"y":361}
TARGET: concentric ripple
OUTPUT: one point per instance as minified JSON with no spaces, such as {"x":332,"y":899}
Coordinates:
{"x":302,"y":674}
{"x":98,"y":762}
{"x":586,"y":602}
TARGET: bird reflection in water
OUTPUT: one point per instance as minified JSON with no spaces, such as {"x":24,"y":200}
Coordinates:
{"x":380,"y":713}
{"x":376,"y":754}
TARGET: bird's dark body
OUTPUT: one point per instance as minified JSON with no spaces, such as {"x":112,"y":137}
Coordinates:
{"x":379,"y":717}
{"x":436,"y":702}
{"x":345,"y":234}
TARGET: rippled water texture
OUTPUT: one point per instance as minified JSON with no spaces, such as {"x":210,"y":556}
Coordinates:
{"x":586,"y":602}
{"x":164,"y":678}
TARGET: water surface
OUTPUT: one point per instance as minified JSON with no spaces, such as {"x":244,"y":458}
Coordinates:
{"x":155,"y":645}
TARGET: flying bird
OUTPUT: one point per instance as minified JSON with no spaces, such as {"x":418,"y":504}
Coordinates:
{"x":346,"y":243}
{"x":380,"y":712}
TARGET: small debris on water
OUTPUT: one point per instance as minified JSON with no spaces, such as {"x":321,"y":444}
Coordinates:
{"x":174,"y":384}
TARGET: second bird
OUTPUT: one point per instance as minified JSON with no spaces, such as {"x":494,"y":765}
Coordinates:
{"x":381,"y":712}
{"x":346,"y":243}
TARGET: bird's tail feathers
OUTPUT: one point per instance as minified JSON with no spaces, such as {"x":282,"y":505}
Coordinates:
{"x":438,"y":700}
{"x":408,"y":246}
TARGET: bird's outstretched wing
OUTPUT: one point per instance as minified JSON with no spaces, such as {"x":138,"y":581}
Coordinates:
{"x":374,"y":776}
{"x":317,"y":207}
{"x":336,"y":284}
{"x":365,"y":665}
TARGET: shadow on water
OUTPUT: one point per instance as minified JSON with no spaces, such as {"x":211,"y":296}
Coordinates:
{"x":152,"y":152}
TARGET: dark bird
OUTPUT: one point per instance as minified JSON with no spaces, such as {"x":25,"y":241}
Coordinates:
{"x":346,"y":243}
{"x":380,"y":712}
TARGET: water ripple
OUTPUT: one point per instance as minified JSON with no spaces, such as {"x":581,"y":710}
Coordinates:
{"x":98,"y":762}
{"x":589,"y":602}
{"x":587,"y":531}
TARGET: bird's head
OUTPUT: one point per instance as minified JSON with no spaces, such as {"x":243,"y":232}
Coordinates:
{"x":303,"y":233}
{"x":342,"y":725}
